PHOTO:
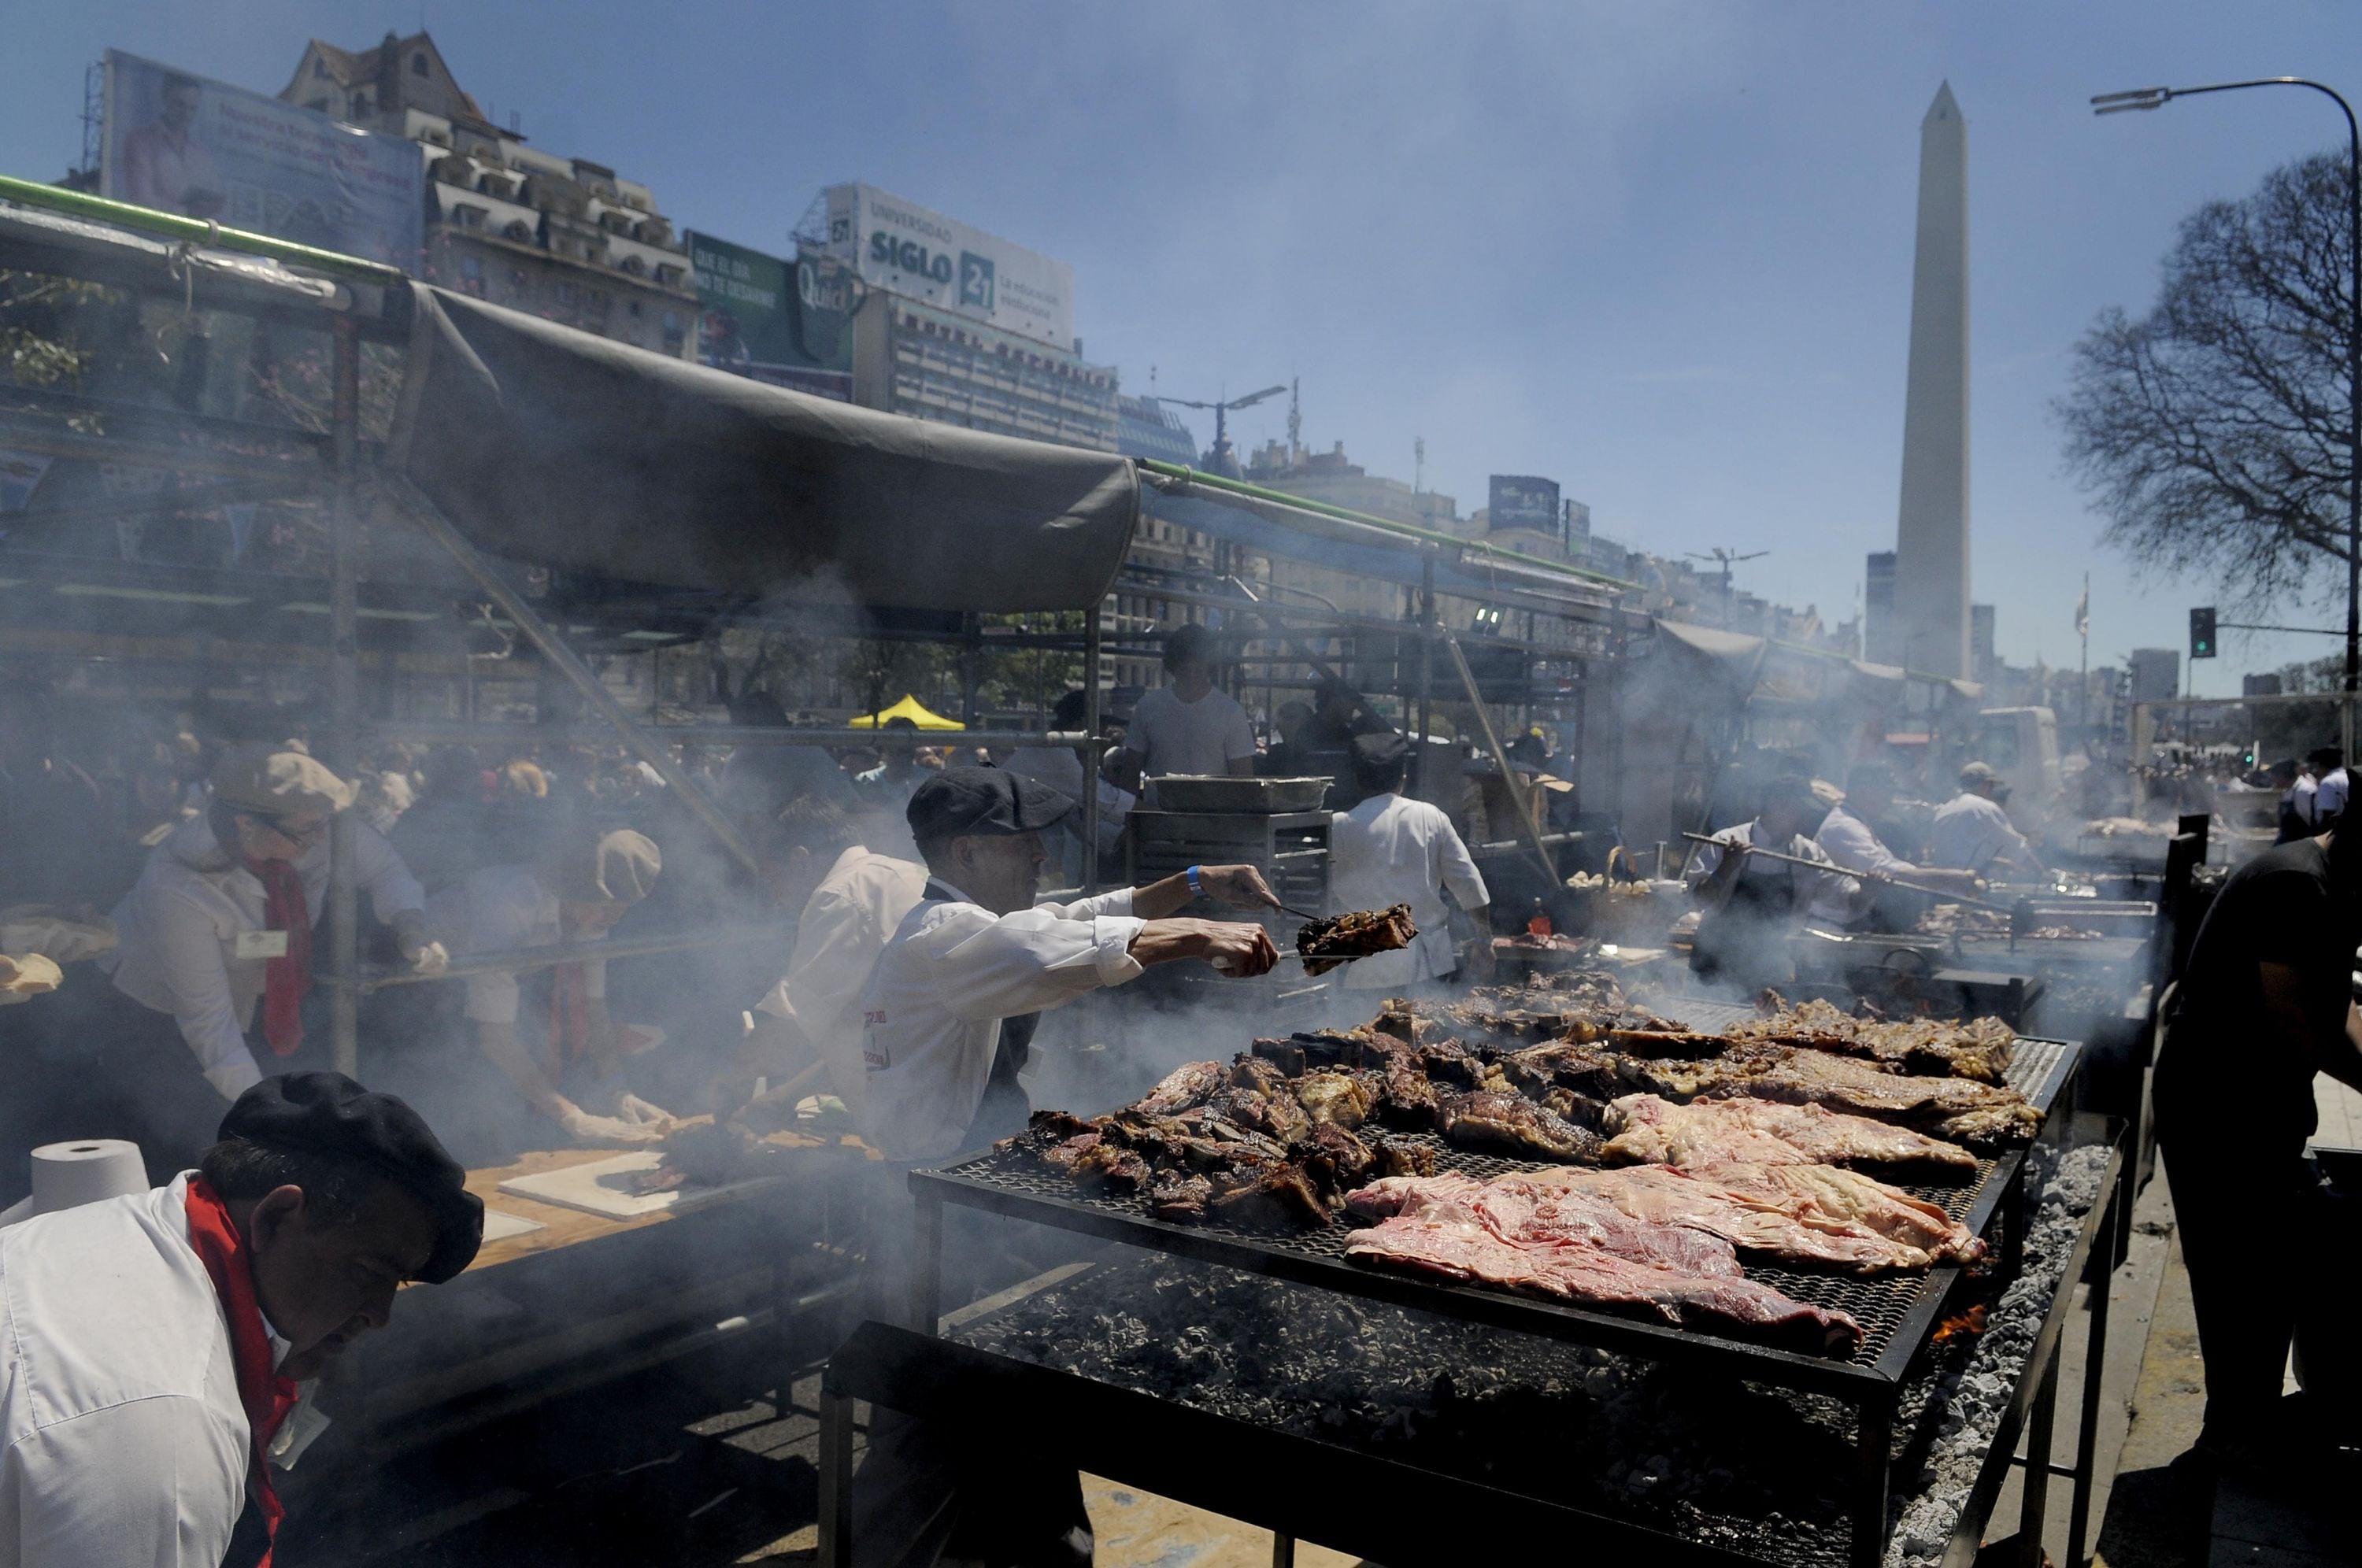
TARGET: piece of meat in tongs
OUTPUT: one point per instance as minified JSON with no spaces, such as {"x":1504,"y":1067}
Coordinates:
{"x":1326,"y":944}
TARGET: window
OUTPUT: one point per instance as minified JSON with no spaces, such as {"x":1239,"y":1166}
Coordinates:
{"x":319,"y":68}
{"x":472,"y":276}
{"x":418,"y":63}
{"x":672,"y":332}
{"x":566,"y":293}
{"x":634,"y":307}
{"x":517,"y":277}
{"x":360,"y":104}
{"x":635,"y":266}
{"x":520,"y":231}
{"x":320,"y":104}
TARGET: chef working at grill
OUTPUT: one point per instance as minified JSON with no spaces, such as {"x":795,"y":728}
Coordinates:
{"x":1748,"y":905}
{"x":222,"y":917}
{"x":575,"y":891}
{"x":1388,"y":850}
{"x":2265,"y":1002}
{"x":942,"y":1064}
{"x":155,"y":1348}
{"x":1970,"y":830}
{"x":1848,"y":838}
{"x":1187,"y":726}
{"x":945,"y":1032}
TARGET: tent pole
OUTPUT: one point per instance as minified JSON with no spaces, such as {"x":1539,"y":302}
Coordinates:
{"x":1426,"y":675}
{"x":1091,"y":756}
{"x":567,"y":663}
{"x":344,"y":698}
{"x":1519,"y":798}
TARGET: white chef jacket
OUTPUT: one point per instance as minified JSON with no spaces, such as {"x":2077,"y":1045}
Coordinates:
{"x":1971,"y":833}
{"x":1390,"y":850}
{"x":500,"y":908}
{"x":2329,"y":796}
{"x":1827,"y":896}
{"x":122,"y":1439}
{"x":177,"y":934}
{"x":930,"y":1016}
{"x":846,"y":924}
{"x":2302,"y":800}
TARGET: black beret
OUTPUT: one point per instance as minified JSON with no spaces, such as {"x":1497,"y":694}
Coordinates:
{"x":1381,"y":748}
{"x":328,"y":1114}
{"x":984,"y":800}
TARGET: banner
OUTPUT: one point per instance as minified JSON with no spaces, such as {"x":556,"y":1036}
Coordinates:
{"x":909,"y":250}
{"x":205,"y":150}
{"x":787,"y":324}
{"x":1522,"y":501}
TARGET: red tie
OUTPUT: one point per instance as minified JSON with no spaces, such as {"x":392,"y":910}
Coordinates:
{"x":285,"y":980}
{"x":266,"y":1396}
{"x":569,"y":1015}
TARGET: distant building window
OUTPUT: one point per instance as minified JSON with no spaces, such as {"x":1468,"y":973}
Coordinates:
{"x":319,"y":68}
{"x":516,"y":282}
{"x":318,"y":104}
{"x":634,"y":307}
{"x":472,"y":275}
{"x":520,"y":231}
{"x":360,"y":104}
{"x":566,"y":293}
{"x":635,"y":266}
{"x":418,"y":64}
{"x":672,"y":332}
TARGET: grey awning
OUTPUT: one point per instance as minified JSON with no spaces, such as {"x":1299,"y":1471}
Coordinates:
{"x":550,"y":444}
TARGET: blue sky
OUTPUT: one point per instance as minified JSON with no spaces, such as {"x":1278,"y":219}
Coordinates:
{"x":1659,"y":250}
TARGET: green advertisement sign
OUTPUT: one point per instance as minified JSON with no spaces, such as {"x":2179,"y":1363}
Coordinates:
{"x":788,"y":322}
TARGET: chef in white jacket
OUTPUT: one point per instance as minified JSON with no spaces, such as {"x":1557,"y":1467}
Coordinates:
{"x":1388,"y":851}
{"x":977,"y":951}
{"x":154,"y":1348}
{"x":220,"y":925}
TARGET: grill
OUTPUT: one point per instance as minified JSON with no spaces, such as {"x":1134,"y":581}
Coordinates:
{"x":1897,"y":1314}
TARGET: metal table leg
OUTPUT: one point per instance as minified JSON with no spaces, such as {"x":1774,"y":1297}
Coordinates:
{"x":2095,"y":1364}
{"x":2037,"y":1465}
{"x":1282,"y":1550}
{"x":926,"y":1262}
{"x":1873,"y":1458}
{"x":835,"y":1481}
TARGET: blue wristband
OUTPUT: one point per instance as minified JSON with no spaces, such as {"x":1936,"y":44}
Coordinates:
{"x":1197,"y":888}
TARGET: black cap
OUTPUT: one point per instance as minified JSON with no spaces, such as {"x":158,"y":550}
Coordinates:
{"x":1382,"y":748}
{"x":982,"y":801}
{"x":328,"y":1114}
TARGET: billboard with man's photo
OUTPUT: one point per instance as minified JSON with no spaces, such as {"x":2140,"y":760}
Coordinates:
{"x":204,"y":149}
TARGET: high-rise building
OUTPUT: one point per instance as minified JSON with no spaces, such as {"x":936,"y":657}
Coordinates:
{"x":1982,"y":662}
{"x":962,"y":327}
{"x":1881,"y":644}
{"x":2156,"y":675}
{"x":562,"y":237}
{"x":1931,"y":570}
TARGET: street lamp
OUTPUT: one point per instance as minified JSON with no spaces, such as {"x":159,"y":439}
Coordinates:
{"x":1221,"y":460}
{"x":2156,"y":98}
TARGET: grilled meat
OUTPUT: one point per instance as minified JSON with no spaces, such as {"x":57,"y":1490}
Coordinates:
{"x":1178,"y":1196}
{"x":1252,"y":1072}
{"x":1280,"y":1197}
{"x":1449,"y":1062}
{"x":1337,"y":1100}
{"x":1093,"y":1161}
{"x":1325,"y":943}
{"x":1983,"y":1116}
{"x":1275,"y":1115}
{"x":1338,"y":1161}
{"x":709,"y":1155}
{"x":1191,"y":1084}
{"x":1405,"y":1100}
{"x":1978,"y":1049}
{"x":1583,"y":1069}
{"x":1822,"y":1215}
{"x":1401,"y":1157}
{"x":1709,"y":1132}
{"x":1510,"y":1124}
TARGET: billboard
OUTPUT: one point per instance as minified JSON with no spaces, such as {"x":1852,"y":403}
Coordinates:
{"x":906,"y":248}
{"x":1577,"y":537}
{"x":1522,"y":501}
{"x":205,"y":150}
{"x":787,"y":323}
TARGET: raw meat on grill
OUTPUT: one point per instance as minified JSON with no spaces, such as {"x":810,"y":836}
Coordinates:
{"x":1847,"y":1220}
{"x":1650,"y":1130}
{"x":1447,"y":1232}
{"x":1191,"y":1084}
{"x":1325,"y":943}
{"x":1511,"y":1124}
{"x":1983,"y":1116}
{"x":1336,"y":1100}
{"x":1979,"y":1048}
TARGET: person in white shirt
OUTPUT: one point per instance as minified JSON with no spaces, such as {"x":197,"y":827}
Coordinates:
{"x":221,"y":919}
{"x":2329,"y":795}
{"x":1849,"y":839}
{"x":851,"y":900}
{"x":1970,"y":830}
{"x":1187,"y":726}
{"x":1748,"y":905}
{"x":1388,"y":850}
{"x":574,"y":892}
{"x":155,"y":1350}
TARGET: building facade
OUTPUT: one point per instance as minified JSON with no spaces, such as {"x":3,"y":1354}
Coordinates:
{"x":562,"y":237}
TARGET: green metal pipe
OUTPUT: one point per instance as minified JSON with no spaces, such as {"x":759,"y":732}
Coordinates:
{"x":99,"y":209}
{"x":1407,"y":530}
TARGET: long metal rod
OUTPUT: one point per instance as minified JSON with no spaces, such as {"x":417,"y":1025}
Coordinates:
{"x":458,"y":732}
{"x":344,"y":694}
{"x":527,"y":959}
{"x":124,"y":215}
{"x":1944,"y":893}
{"x":1093,"y":759}
{"x":1519,"y":798}
{"x":655,"y":752}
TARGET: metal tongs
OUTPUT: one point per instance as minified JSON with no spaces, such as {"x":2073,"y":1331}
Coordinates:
{"x":1945,"y":895}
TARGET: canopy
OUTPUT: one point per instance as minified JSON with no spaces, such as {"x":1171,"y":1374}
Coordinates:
{"x":557,"y":447}
{"x":909,"y":708}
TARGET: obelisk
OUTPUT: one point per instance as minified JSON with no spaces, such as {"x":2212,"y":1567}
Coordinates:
{"x":1931,"y":568}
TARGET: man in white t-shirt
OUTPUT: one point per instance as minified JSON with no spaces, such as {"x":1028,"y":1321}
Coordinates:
{"x":1188,"y":727}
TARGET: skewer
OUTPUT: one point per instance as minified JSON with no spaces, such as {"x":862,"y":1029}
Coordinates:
{"x":1946,"y":894}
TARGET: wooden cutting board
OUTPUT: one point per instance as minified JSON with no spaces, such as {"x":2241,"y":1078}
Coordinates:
{"x":597,"y":1188}
{"x":500,"y":1227}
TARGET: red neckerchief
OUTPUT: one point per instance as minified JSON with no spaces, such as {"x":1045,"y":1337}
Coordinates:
{"x":266,"y":1396}
{"x":285,"y":980}
{"x":569,"y":1015}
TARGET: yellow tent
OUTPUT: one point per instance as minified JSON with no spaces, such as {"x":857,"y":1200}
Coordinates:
{"x":909,"y":708}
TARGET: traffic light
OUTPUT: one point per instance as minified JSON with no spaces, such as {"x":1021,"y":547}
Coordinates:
{"x":2201,"y":631}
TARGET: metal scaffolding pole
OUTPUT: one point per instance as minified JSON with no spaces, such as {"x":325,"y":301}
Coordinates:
{"x":1091,"y":752}
{"x":344,"y":698}
{"x":652,"y":748}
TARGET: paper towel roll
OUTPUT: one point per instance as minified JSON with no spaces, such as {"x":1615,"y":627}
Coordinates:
{"x":66,"y":1175}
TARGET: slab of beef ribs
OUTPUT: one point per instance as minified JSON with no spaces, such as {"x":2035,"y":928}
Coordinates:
{"x":1983,"y":1116}
{"x":1649,"y":1131}
{"x":1798,"y":1213}
{"x":1193,"y":1083}
{"x":1511,"y":1124}
{"x":1449,"y":1226}
{"x":1325,"y":943}
{"x":1979,"y":1048}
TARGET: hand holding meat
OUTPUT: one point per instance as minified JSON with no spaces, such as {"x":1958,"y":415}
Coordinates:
{"x":1233,"y":948}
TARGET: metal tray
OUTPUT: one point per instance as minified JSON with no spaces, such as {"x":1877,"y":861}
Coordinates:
{"x":1213,"y":792}
{"x":1896,"y":1312}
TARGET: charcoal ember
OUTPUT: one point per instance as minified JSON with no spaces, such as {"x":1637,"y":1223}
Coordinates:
{"x":1337,"y":1099}
{"x":1178,"y":1196}
{"x":1277,"y":1116}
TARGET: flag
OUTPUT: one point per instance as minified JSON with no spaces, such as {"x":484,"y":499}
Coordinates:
{"x":2083,"y":612}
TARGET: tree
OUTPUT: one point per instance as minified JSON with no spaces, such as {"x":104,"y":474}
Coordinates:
{"x":2212,"y":433}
